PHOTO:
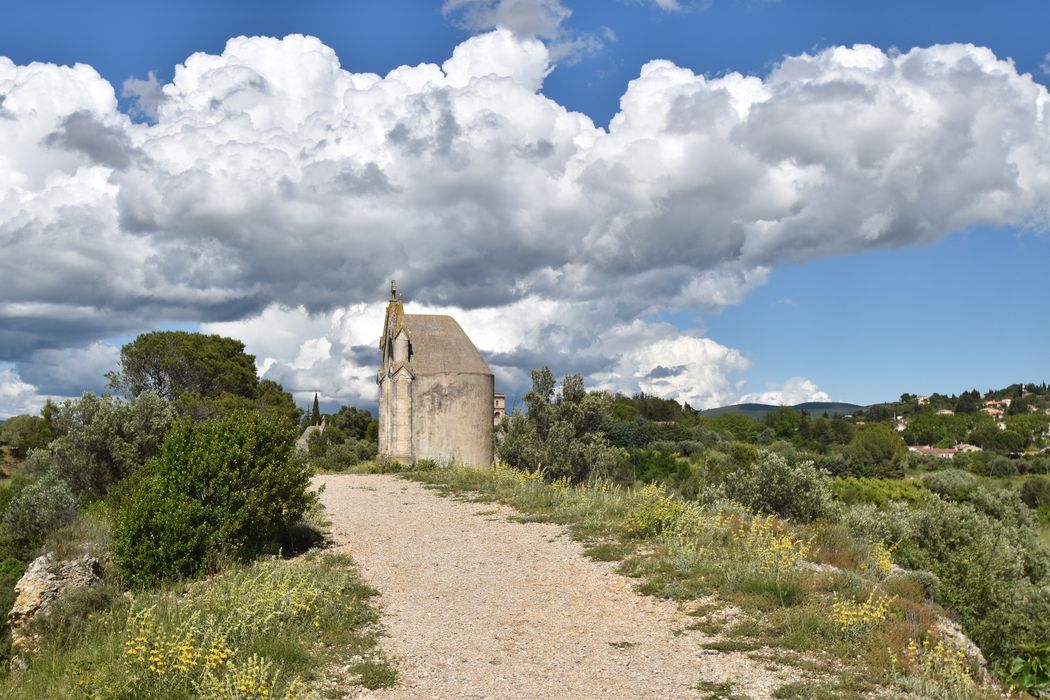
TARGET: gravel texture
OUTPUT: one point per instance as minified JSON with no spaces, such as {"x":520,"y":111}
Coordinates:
{"x":477,"y":606}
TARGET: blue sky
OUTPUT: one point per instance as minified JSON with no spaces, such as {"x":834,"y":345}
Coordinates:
{"x":124,"y":39}
{"x":864,"y":323}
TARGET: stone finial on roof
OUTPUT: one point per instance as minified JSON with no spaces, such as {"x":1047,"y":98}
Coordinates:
{"x":395,"y":315}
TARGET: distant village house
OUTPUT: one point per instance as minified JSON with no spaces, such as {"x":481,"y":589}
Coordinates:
{"x":499,"y":407}
{"x":943,"y":452}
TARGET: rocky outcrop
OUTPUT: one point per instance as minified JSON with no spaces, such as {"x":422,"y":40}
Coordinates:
{"x":44,"y":582}
{"x":952,"y":633}
{"x":947,"y":629}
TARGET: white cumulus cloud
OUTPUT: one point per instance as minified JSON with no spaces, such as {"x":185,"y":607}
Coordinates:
{"x":795,"y":390}
{"x":273,"y":177}
{"x":543,"y":19}
{"x":17,"y":397}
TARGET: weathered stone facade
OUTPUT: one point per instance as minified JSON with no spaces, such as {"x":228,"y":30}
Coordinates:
{"x":435,"y":390}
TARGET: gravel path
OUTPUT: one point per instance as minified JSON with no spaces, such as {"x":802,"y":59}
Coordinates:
{"x":476,"y":606}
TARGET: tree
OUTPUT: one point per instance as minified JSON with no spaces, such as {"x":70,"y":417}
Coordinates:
{"x":968,"y":402}
{"x":102,"y":439}
{"x":562,"y":438}
{"x":877,"y":450}
{"x":572,"y":388}
{"x":25,"y":433}
{"x":538,"y":399}
{"x":784,"y":421}
{"x":991,"y":438}
{"x":315,"y":416}
{"x":352,"y":421}
{"x":272,"y":399}
{"x":173,"y":363}
{"x":1017,"y":407}
{"x":735,"y":425}
{"x":878,"y":412}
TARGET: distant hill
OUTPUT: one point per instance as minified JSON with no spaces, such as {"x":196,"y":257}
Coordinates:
{"x":758,"y":411}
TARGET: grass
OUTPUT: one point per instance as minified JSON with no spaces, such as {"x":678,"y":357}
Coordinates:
{"x":719,"y":691}
{"x":276,"y":629}
{"x":609,"y":551}
{"x":687,"y":552}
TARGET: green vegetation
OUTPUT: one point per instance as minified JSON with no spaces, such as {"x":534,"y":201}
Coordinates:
{"x":844,"y":492}
{"x":172,"y":363}
{"x":852,"y":623}
{"x":101,"y":440}
{"x":219,"y":489}
{"x":24,"y":433}
{"x":772,"y":485}
{"x":193,"y":473}
{"x":39,"y":508}
{"x":879,"y":492}
{"x":560,"y":436}
{"x":350,"y":438}
{"x":203,"y":376}
{"x":275,"y":629}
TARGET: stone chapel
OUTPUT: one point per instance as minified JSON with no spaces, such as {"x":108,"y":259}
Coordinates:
{"x":435,"y":390}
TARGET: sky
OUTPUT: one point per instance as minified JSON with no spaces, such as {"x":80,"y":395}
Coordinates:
{"x":720,"y":201}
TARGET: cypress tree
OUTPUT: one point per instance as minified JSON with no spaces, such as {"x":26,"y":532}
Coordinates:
{"x":316,"y":417}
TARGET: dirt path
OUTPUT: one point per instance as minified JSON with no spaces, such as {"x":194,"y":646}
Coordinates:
{"x":476,"y":606}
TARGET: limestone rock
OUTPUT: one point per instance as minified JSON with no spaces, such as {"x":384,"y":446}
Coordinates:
{"x":44,"y":582}
{"x":953,"y":634}
{"x":817,"y":568}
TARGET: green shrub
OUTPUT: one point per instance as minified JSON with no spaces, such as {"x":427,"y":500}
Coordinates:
{"x":424,"y":465}
{"x":657,"y":465}
{"x":953,"y":484}
{"x":1030,"y":671}
{"x":222,"y":488}
{"x":340,"y":457}
{"x":1002,"y":466}
{"x":102,"y":440}
{"x":773,"y":485}
{"x":1002,"y":504}
{"x":877,"y":450}
{"x":271,"y":630}
{"x":38,"y":509}
{"x":991,"y":574}
{"x":864,"y":489}
{"x":568,"y":435}
{"x":1035,"y":491}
